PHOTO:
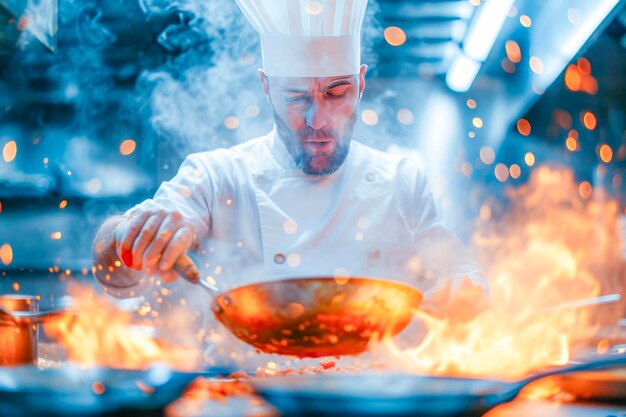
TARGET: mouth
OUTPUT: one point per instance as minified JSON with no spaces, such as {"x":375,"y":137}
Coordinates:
{"x":319,"y":145}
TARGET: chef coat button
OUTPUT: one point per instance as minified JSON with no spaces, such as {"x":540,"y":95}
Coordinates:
{"x":261,"y":179}
{"x":370,"y":176}
{"x":279,"y":258}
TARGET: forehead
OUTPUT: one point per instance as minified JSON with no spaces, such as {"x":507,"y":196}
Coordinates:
{"x":309,"y":83}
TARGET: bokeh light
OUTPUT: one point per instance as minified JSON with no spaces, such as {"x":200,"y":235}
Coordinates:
{"x":515,"y":171}
{"x":369,"y":117}
{"x":589,"y":120}
{"x":314,"y":8}
{"x":127,"y":147}
{"x":525,"y":20}
{"x":487,"y":155}
{"x":571,"y":144}
{"x":606,"y":153}
{"x":394,"y":36}
{"x":585,"y":189}
{"x":477,"y":122}
{"x":536,"y":65}
{"x":6,"y":254}
{"x":405,"y":117}
{"x":502,"y":172}
{"x":231,"y":122}
{"x":574,"y":16}
{"x":529,"y":159}
{"x":471,"y":103}
{"x":513,"y":51}
{"x":523,"y":127}
{"x":9,"y":150}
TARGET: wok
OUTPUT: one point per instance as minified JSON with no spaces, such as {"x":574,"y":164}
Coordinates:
{"x":389,"y":394}
{"x":312,"y":317}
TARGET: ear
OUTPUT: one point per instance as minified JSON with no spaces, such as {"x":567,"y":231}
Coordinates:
{"x":362,"y":72}
{"x":264,"y":84}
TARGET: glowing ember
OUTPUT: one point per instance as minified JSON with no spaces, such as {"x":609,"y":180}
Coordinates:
{"x":543,"y":251}
{"x":100,"y":334}
{"x":9,"y":151}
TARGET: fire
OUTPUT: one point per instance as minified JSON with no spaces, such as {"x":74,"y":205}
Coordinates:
{"x":97,"y":333}
{"x":547,"y":248}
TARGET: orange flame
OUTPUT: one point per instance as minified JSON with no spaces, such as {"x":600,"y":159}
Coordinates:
{"x":98,"y":333}
{"x":547,"y":248}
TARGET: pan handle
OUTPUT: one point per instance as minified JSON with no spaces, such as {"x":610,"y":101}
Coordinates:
{"x":513,"y":388}
{"x":187,"y":269}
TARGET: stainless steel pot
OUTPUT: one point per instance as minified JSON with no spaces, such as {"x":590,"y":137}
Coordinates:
{"x":18,"y":340}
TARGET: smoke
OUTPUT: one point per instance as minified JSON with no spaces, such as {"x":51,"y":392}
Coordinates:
{"x":213,"y":76}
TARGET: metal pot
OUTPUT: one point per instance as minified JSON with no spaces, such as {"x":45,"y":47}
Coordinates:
{"x":18,"y":341}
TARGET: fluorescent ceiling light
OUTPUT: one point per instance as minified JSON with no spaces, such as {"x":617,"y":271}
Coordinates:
{"x":485,"y":29}
{"x":556,"y":40}
{"x":462,"y":73}
{"x":592,"y":19}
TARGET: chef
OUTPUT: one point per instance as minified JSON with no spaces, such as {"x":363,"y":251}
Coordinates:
{"x":306,"y":199}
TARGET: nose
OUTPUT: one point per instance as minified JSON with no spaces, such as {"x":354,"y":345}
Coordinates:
{"x":315,"y":117}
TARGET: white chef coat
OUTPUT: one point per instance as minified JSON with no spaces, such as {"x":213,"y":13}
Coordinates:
{"x":258,"y":217}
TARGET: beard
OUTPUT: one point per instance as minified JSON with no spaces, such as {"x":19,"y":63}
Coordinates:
{"x":312,"y":162}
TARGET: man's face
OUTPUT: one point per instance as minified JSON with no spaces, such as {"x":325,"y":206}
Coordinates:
{"x":315,"y":117}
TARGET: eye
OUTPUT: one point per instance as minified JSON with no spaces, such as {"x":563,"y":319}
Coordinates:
{"x":339,"y":91}
{"x":293,"y":97}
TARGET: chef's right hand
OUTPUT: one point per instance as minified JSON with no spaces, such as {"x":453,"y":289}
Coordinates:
{"x":152,"y":240}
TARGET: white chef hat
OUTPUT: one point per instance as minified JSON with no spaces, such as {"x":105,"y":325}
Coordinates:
{"x":308,"y":38}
